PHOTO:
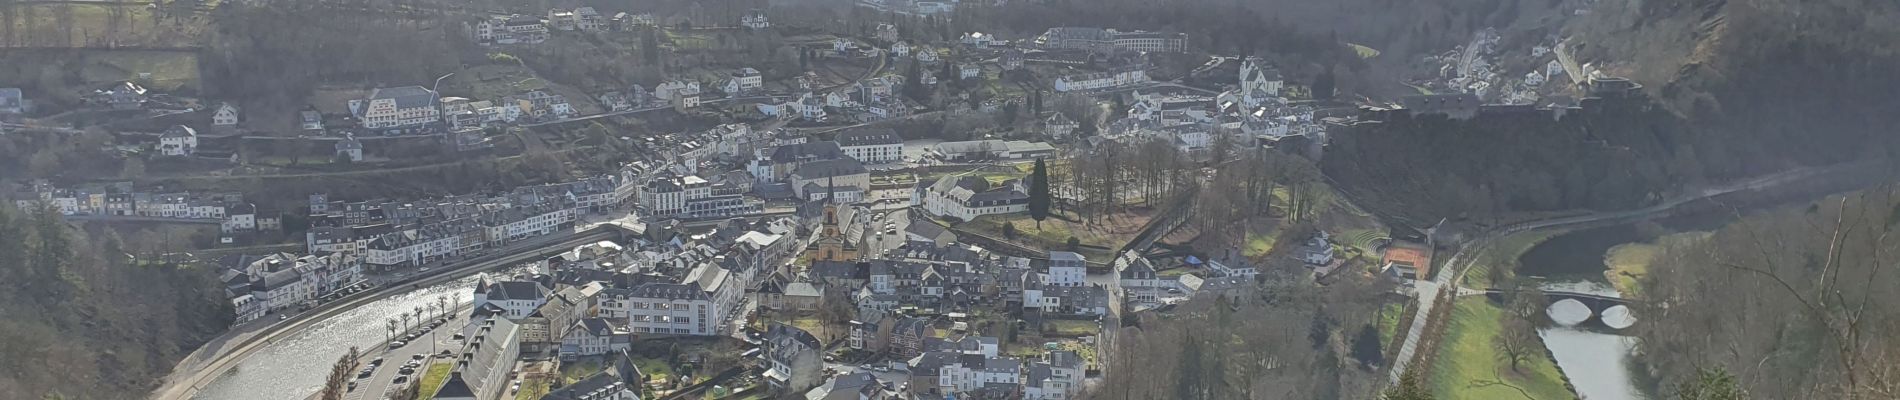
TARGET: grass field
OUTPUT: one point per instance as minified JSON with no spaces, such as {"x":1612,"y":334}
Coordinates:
{"x":1467,"y":366}
{"x":433,"y":378}
{"x":655,"y":369}
{"x":1389,"y":315}
{"x":138,"y":26}
{"x":1072,"y":327}
{"x":1629,"y":262}
{"x":576,"y":371}
{"x":1363,"y":51}
{"x":1055,"y":231}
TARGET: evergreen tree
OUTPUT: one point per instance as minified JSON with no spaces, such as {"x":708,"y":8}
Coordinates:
{"x":1039,"y":193}
{"x":913,"y":80}
{"x":650,"y":45}
{"x":1324,"y":85}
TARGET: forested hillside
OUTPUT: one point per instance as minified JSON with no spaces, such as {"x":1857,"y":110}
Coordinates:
{"x":84,"y":321}
{"x":1735,"y":89}
{"x":1615,"y":155}
{"x":1794,"y":303}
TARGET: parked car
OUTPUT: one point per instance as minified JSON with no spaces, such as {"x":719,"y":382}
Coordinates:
{"x":400,"y":380}
{"x":397,"y":344}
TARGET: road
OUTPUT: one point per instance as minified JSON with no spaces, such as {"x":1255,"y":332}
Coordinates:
{"x":641,"y":110}
{"x":1427,"y":291}
{"x":1569,"y":63}
{"x":379,"y":383}
{"x":191,"y":376}
{"x":1471,"y":53}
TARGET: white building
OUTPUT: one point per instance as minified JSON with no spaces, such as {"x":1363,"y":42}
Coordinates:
{"x":177,"y":141}
{"x":226,"y":117}
{"x":1066,"y":269}
{"x":966,"y":197}
{"x":1118,"y":77}
{"x":872,"y":146}
{"x":663,"y":308}
{"x":833,"y":173}
{"x":594,"y":337}
{"x":396,"y":108}
{"x":514,"y":299}
{"x":755,"y":20}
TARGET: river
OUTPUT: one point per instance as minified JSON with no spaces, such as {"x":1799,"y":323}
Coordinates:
{"x":294,"y":368}
{"x":1598,"y":360}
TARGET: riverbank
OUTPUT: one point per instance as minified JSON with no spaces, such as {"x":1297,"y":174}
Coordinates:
{"x":1628,"y":264}
{"x":1468,"y":367}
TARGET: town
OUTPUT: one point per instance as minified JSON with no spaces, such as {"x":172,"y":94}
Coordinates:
{"x":763,"y":209}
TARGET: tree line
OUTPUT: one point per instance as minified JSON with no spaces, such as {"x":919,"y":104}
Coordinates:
{"x":91,"y":320}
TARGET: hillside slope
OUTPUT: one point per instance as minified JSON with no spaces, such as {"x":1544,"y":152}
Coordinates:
{"x":1733,"y":89}
{"x":82,"y":324}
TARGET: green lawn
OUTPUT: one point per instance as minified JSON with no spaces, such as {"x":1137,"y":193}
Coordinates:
{"x":1363,"y":51}
{"x":655,"y":369}
{"x":1467,"y":367}
{"x":1389,"y":315}
{"x":1260,"y":242}
{"x":433,"y":378}
{"x":575,"y":372}
{"x":1072,"y":327}
{"x":1629,"y":262}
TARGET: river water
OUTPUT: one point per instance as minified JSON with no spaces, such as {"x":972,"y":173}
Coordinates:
{"x":1598,"y":360}
{"x":294,"y":367}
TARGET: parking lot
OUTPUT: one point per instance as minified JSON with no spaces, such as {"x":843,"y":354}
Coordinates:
{"x":384,"y":376}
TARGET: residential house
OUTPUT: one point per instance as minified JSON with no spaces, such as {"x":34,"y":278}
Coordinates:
{"x":594,"y":337}
{"x":178,"y":141}
{"x":1057,"y":377}
{"x":976,"y":39}
{"x":887,"y":32}
{"x":1011,"y":60}
{"x":745,"y":80}
{"x":803,"y":296}
{"x":792,"y":362}
{"x":1114,"y":77}
{"x":564,"y":20}
{"x":310,"y":120}
{"x":1066,"y":269}
{"x":349,"y":148}
{"x":225,"y":119}
{"x":12,"y":101}
{"x":872,"y":331}
{"x":1138,"y":281}
{"x":908,"y":335}
{"x":755,"y":20}
{"x":1318,"y":250}
{"x":515,"y":300}
{"x":941,"y":373}
{"x":855,"y":386}
{"x":900,"y":49}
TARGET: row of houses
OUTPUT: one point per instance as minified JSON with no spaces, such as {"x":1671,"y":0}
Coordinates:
{"x":389,"y":234}
{"x":259,"y":285}
{"x":230,"y":210}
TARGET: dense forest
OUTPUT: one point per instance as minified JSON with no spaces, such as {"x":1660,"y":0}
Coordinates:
{"x":1615,"y":154}
{"x":1795,"y":303}
{"x":86,"y":320}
